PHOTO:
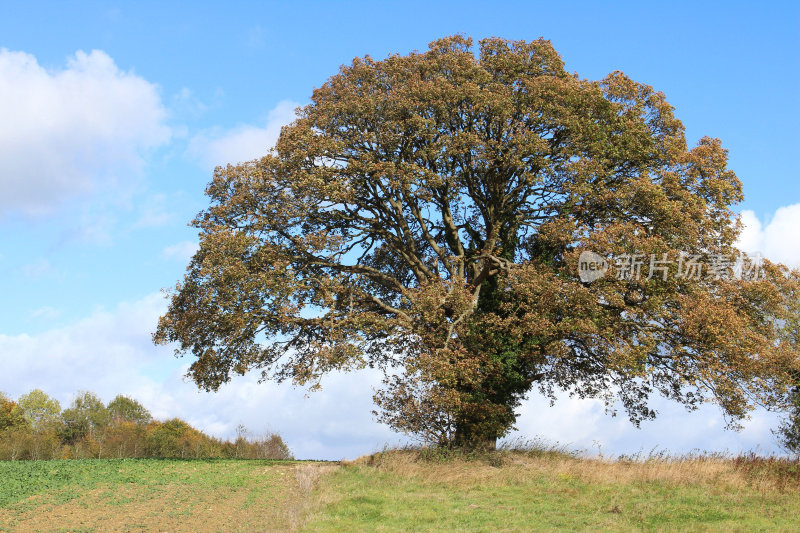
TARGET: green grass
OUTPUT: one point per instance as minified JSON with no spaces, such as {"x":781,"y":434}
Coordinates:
{"x":138,"y":494}
{"x":544,"y":495}
{"x":67,"y":478}
{"x":400,"y":491}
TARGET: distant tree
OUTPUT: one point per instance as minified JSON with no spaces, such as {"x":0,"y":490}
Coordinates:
{"x":125,"y":439}
{"x":86,"y":416}
{"x":11,"y":414}
{"x":32,"y":429}
{"x":271,"y":446}
{"x":15,"y":431}
{"x":44,"y":416}
{"x":426,"y":214}
{"x":40,"y":410}
{"x":127,"y":409}
{"x":173,"y":438}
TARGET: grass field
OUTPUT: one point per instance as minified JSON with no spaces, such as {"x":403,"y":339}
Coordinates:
{"x":397,"y":491}
{"x":151,"y":495}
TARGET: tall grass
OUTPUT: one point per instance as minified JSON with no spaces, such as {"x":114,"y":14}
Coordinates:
{"x":526,"y":458}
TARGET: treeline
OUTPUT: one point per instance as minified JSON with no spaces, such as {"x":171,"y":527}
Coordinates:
{"x":35,"y":427}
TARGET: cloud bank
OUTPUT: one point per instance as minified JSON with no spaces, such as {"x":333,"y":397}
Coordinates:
{"x":777,"y":240}
{"x":217,"y":147}
{"x":70,"y":130}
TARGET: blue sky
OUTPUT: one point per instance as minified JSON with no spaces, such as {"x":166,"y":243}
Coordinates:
{"x":113,"y":116}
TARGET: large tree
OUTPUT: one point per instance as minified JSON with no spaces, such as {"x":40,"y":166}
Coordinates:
{"x":425,"y":214}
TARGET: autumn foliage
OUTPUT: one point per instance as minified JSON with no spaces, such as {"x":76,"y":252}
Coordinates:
{"x":425,"y":214}
{"x":37,"y":428}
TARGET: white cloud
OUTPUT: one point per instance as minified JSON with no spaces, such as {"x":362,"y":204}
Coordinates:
{"x":583,"y":424}
{"x":71,"y":130}
{"x":777,"y":240}
{"x":110,"y":352}
{"x":182,"y":251}
{"x":185,"y":102}
{"x":101,"y":352}
{"x":243,"y":143}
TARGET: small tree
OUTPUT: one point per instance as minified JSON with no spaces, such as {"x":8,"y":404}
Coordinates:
{"x":15,"y":431}
{"x":127,"y":409}
{"x":11,"y":414}
{"x":44,"y":415}
{"x":426,"y":214}
{"x":40,"y":410}
{"x":124,"y":438}
{"x":87,"y":416}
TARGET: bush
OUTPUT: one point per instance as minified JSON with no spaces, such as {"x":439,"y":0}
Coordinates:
{"x":11,"y":414}
{"x":173,"y":438}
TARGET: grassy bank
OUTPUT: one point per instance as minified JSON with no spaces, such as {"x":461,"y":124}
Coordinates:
{"x":530,"y":492}
{"x":403,"y":491}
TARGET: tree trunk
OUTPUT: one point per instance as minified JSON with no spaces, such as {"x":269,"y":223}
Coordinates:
{"x":466,"y":438}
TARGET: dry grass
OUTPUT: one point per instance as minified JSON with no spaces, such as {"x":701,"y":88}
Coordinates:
{"x":513,"y":466}
{"x":171,"y":508}
{"x":550,"y":489}
{"x":307,"y":477}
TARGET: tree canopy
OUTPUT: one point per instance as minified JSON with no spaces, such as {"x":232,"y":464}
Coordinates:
{"x":86,"y":415}
{"x":426,"y":214}
{"x":40,"y":409}
{"x":123,"y":408}
{"x":11,"y":415}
